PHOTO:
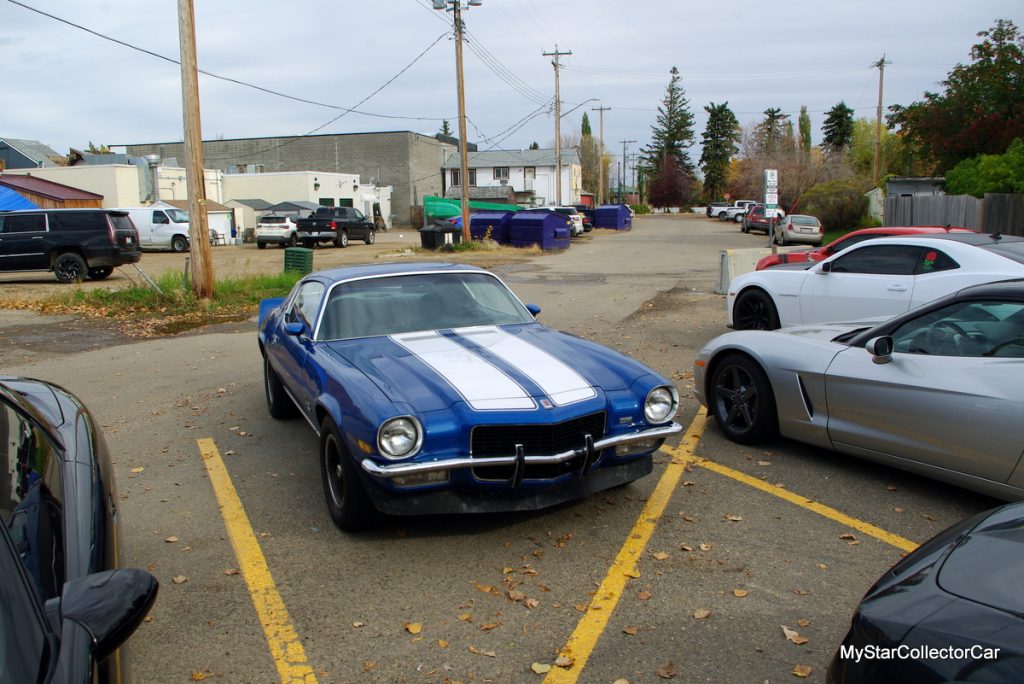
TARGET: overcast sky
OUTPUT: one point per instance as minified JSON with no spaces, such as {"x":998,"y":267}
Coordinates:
{"x":66,"y":87}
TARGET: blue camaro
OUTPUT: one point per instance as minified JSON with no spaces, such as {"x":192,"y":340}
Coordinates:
{"x":433,"y":389}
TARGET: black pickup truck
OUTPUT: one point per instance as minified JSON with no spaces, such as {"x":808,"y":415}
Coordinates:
{"x":334,"y":224}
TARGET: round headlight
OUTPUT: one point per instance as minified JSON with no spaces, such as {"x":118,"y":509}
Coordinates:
{"x":400,"y":437}
{"x":661,"y":404}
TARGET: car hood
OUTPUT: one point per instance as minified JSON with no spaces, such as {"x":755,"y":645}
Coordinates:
{"x":828,"y":331}
{"x":489,"y":368}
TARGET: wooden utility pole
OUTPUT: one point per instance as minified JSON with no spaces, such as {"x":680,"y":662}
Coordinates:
{"x":199,"y":232}
{"x":880,"y":65}
{"x":600,"y":156}
{"x":558,"y":124}
{"x":463,"y":142}
{"x":622,"y":176}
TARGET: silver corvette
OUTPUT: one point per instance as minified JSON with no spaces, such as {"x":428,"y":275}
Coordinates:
{"x":938,"y":390}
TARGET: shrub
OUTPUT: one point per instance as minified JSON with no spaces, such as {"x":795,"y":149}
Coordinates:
{"x":840,"y":205}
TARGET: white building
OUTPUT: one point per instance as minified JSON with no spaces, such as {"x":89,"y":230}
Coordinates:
{"x":526,"y":177}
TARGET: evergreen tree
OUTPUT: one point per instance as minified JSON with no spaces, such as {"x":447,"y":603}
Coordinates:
{"x":672,"y":134}
{"x":804,"y":124}
{"x":586,"y":126}
{"x":837,"y":131}
{"x":446,"y":128}
{"x":720,"y":140}
{"x":534,"y":145}
{"x":770,"y":133}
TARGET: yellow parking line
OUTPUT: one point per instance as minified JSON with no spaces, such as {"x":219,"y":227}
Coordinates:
{"x":584,"y":638}
{"x":285,"y":646}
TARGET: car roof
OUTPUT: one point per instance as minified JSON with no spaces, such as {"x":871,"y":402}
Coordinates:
{"x":391,"y":269}
{"x":1001,"y":289}
{"x":907,"y":230}
{"x":969,"y":238}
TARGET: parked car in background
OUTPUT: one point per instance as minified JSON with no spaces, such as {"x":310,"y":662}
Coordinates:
{"x":714,"y":207}
{"x":161,"y":228}
{"x":73,"y":243}
{"x":851,"y":238}
{"x":588,"y":225}
{"x":736,"y":211}
{"x":276,"y":230}
{"x":935,"y":391}
{"x":336,"y":225}
{"x":880,"y":277}
{"x":799,"y":228}
{"x":948,"y":612}
{"x":433,"y":389}
{"x":571,"y":214}
{"x":755,"y":218}
{"x":59,"y":545}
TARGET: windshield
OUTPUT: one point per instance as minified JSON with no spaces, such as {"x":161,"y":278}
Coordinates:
{"x":804,"y":220}
{"x":177,"y":215}
{"x":407,"y":303}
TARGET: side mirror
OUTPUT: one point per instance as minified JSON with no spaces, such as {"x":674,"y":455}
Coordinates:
{"x":880,"y":349}
{"x":534,"y":309}
{"x":294,"y":329}
{"x":825,"y":268}
{"x":109,"y":605}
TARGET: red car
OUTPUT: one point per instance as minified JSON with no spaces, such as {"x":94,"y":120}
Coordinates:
{"x":851,"y":238}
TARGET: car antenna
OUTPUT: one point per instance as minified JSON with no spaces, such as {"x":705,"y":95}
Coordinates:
{"x":997,"y":236}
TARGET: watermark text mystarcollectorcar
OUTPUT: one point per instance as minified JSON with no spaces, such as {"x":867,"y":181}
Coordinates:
{"x":906,"y":652}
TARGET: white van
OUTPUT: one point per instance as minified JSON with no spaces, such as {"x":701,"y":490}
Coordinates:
{"x":161,"y":227}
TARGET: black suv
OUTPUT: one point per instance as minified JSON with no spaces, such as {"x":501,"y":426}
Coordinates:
{"x":73,"y":243}
{"x":335,"y":224}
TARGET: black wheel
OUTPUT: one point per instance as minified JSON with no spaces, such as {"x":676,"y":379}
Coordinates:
{"x":308,"y":244}
{"x":740,"y":218}
{"x":722,"y":216}
{"x":742,"y":401}
{"x":279,"y":404}
{"x":69,"y":268}
{"x":179,"y":243}
{"x":744,"y":228}
{"x":291,"y":241}
{"x":781,"y":235}
{"x":100,"y":272}
{"x":755,"y":310}
{"x":349,"y":506}
{"x":342,"y":239}
{"x":371,"y":237}
{"x":261,"y":245}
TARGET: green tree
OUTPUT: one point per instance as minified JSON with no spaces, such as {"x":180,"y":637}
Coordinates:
{"x":981,"y":108}
{"x":93,"y":149}
{"x":672,"y":135}
{"x":860,"y":153}
{"x":671,"y":187}
{"x":804,"y":125}
{"x":534,"y":145}
{"x":838,"y":129}
{"x":585,"y":128}
{"x":989,"y":173}
{"x":770,"y":133}
{"x":839,"y":205}
{"x":720,"y":140}
{"x":446,"y":128}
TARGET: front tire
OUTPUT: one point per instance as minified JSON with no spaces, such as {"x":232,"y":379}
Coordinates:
{"x":342,"y":239}
{"x":347,"y":503}
{"x":179,"y":243}
{"x":371,"y":237}
{"x":70,"y":268}
{"x":279,"y":404}
{"x":742,"y":401}
{"x":755,"y":310}
{"x":722,"y":216}
{"x":261,"y":245}
{"x":100,"y":272}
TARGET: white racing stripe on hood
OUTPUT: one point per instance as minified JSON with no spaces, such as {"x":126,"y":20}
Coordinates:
{"x":482,"y":385}
{"x":559,"y":381}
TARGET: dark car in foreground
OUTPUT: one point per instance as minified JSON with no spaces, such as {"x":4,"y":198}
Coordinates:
{"x":73,"y":243}
{"x":433,"y":389}
{"x":66,"y":607}
{"x":951,"y":611}
{"x":936,"y":391}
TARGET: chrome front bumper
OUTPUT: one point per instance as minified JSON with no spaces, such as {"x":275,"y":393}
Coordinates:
{"x":590,"y":451}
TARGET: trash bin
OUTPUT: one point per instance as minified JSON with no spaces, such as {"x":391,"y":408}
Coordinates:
{"x":298,"y":259}
{"x":438,"y":234}
{"x":494,"y":225}
{"x":546,"y":229}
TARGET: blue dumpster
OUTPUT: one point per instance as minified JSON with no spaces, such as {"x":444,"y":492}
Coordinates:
{"x":493,"y":225}
{"x":546,"y":229}
{"x":614,"y":216}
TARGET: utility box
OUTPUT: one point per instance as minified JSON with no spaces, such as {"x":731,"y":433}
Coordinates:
{"x":491,"y":225}
{"x":438,"y":234}
{"x":298,"y":259}
{"x":614,"y":216}
{"x":546,"y":229}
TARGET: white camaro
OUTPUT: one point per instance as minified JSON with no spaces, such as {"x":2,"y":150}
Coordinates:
{"x":881,"y":277}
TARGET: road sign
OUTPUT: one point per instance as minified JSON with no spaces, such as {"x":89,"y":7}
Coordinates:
{"x":771,"y":179}
{"x":771,"y":198}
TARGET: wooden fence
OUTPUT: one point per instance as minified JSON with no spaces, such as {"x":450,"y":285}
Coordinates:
{"x":997,"y":213}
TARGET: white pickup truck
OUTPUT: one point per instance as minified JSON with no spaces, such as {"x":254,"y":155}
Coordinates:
{"x":736,"y":211}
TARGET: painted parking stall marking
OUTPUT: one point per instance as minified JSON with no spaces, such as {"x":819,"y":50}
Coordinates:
{"x":285,"y":646}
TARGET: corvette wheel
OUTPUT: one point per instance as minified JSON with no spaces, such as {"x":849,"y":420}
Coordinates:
{"x":754,"y":310}
{"x":742,"y":401}
{"x":347,"y":502}
{"x":279,"y":404}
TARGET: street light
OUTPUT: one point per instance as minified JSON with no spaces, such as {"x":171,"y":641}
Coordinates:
{"x":456,"y":9}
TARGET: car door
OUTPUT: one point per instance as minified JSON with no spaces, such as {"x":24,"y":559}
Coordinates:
{"x":944,"y":398}
{"x":161,"y":230}
{"x":360,"y":227}
{"x":24,"y":242}
{"x":290,"y":353}
{"x":870,"y":281}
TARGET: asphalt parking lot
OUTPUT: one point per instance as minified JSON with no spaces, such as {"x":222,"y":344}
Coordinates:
{"x":689,"y":574}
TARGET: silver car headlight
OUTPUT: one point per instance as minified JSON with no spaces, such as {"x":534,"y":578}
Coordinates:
{"x":400,"y":437}
{"x":661,"y":404}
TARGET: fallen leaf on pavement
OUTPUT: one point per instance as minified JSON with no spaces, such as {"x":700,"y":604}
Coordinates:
{"x":803,"y":622}
{"x":565,"y":661}
{"x":644,"y":595}
{"x":442,"y":643}
{"x":802,"y":671}
{"x":171,"y":540}
{"x":666,"y":671}
{"x":794,"y":636}
{"x":847,"y":536}
{"x":480,"y":651}
{"x":701,"y":613}
{"x":631,"y":631}
{"x":705,"y":547}
{"x":465,"y":617}
{"x":179,"y":579}
{"x":734,"y":518}
{"x":231,"y":572}
{"x":413,"y":627}
{"x":137,"y":470}
{"x":660,"y":555}
{"x":739,"y":593}
{"x":531,"y":603}
{"x":540,"y":668}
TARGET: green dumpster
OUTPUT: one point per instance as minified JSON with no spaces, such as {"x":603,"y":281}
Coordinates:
{"x":298,"y":259}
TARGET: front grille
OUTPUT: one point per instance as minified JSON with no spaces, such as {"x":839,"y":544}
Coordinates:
{"x":537,"y":440}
